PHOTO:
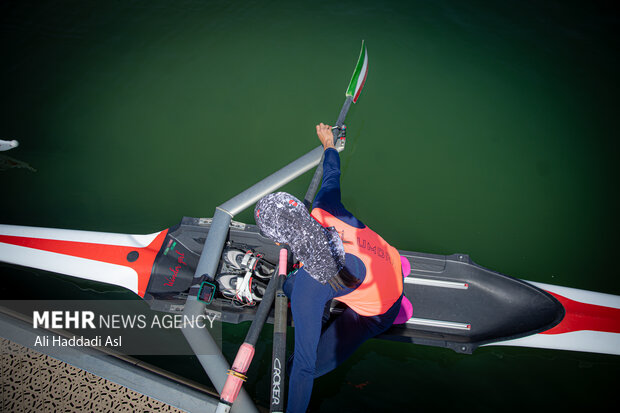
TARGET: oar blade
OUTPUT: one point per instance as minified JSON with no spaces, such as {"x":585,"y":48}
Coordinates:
{"x":359,"y":75}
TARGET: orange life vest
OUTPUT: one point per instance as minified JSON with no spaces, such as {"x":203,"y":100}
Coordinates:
{"x":383,"y":284}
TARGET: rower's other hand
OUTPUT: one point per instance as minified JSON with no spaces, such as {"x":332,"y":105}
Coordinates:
{"x":325,"y":134}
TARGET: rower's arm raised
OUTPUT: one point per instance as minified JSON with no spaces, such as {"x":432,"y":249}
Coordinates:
{"x":328,"y":198}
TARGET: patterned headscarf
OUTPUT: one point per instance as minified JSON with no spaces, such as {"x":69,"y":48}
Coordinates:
{"x":285,"y":219}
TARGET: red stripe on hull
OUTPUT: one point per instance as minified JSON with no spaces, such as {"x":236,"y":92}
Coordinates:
{"x":111,"y":254}
{"x":581,"y":316}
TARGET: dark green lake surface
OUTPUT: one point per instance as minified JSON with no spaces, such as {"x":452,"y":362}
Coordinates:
{"x":488,"y":128}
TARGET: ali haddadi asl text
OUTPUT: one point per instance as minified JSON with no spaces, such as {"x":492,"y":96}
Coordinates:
{"x":97,"y":341}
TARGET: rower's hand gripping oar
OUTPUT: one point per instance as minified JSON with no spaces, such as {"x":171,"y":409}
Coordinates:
{"x":236,"y":375}
{"x":278,"y":361}
{"x":352,"y":94}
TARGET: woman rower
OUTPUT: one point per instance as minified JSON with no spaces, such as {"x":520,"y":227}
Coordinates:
{"x":342,"y":259}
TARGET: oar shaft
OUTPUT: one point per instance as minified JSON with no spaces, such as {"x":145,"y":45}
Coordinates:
{"x":343,"y":113}
{"x":278,"y":362}
{"x":263,"y":311}
{"x":318,"y":173}
{"x":236,"y":375}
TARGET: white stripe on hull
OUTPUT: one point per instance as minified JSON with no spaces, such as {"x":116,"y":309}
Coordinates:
{"x":583,"y":296}
{"x":66,"y":264}
{"x":588,"y":341}
{"x":123,"y":240}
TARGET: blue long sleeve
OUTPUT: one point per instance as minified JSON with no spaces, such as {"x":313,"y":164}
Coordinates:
{"x":328,"y":198}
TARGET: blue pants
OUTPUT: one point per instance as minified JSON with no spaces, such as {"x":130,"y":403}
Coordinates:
{"x":344,"y":333}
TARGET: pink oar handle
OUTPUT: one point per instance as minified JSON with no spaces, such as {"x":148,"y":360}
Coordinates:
{"x":283,"y":260}
{"x":236,"y":375}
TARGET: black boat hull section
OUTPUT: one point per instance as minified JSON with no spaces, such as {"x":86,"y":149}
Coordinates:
{"x":457,"y":304}
{"x":460,"y":305}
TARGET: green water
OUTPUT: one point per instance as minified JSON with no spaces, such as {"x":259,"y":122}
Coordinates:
{"x":484,"y":127}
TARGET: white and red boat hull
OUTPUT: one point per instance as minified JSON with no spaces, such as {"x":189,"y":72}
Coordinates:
{"x":456,"y":303}
{"x":95,"y":256}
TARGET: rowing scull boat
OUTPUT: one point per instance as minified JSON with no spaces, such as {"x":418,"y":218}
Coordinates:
{"x":457,"y":304}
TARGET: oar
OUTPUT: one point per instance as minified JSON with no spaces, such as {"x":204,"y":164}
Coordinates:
{"x":236,"y":375}
{"x":352,"y":94}
{"x":278,"y":362}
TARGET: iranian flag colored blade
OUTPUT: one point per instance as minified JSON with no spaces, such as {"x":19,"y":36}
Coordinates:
{"x":359,"y":75}
{"x":352,"y":94}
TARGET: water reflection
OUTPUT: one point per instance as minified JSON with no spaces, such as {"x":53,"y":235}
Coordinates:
{"x":6,"y":162}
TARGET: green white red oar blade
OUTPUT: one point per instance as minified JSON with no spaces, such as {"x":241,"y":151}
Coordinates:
{"x":359,"y":75}
{"x":352,"y":94}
